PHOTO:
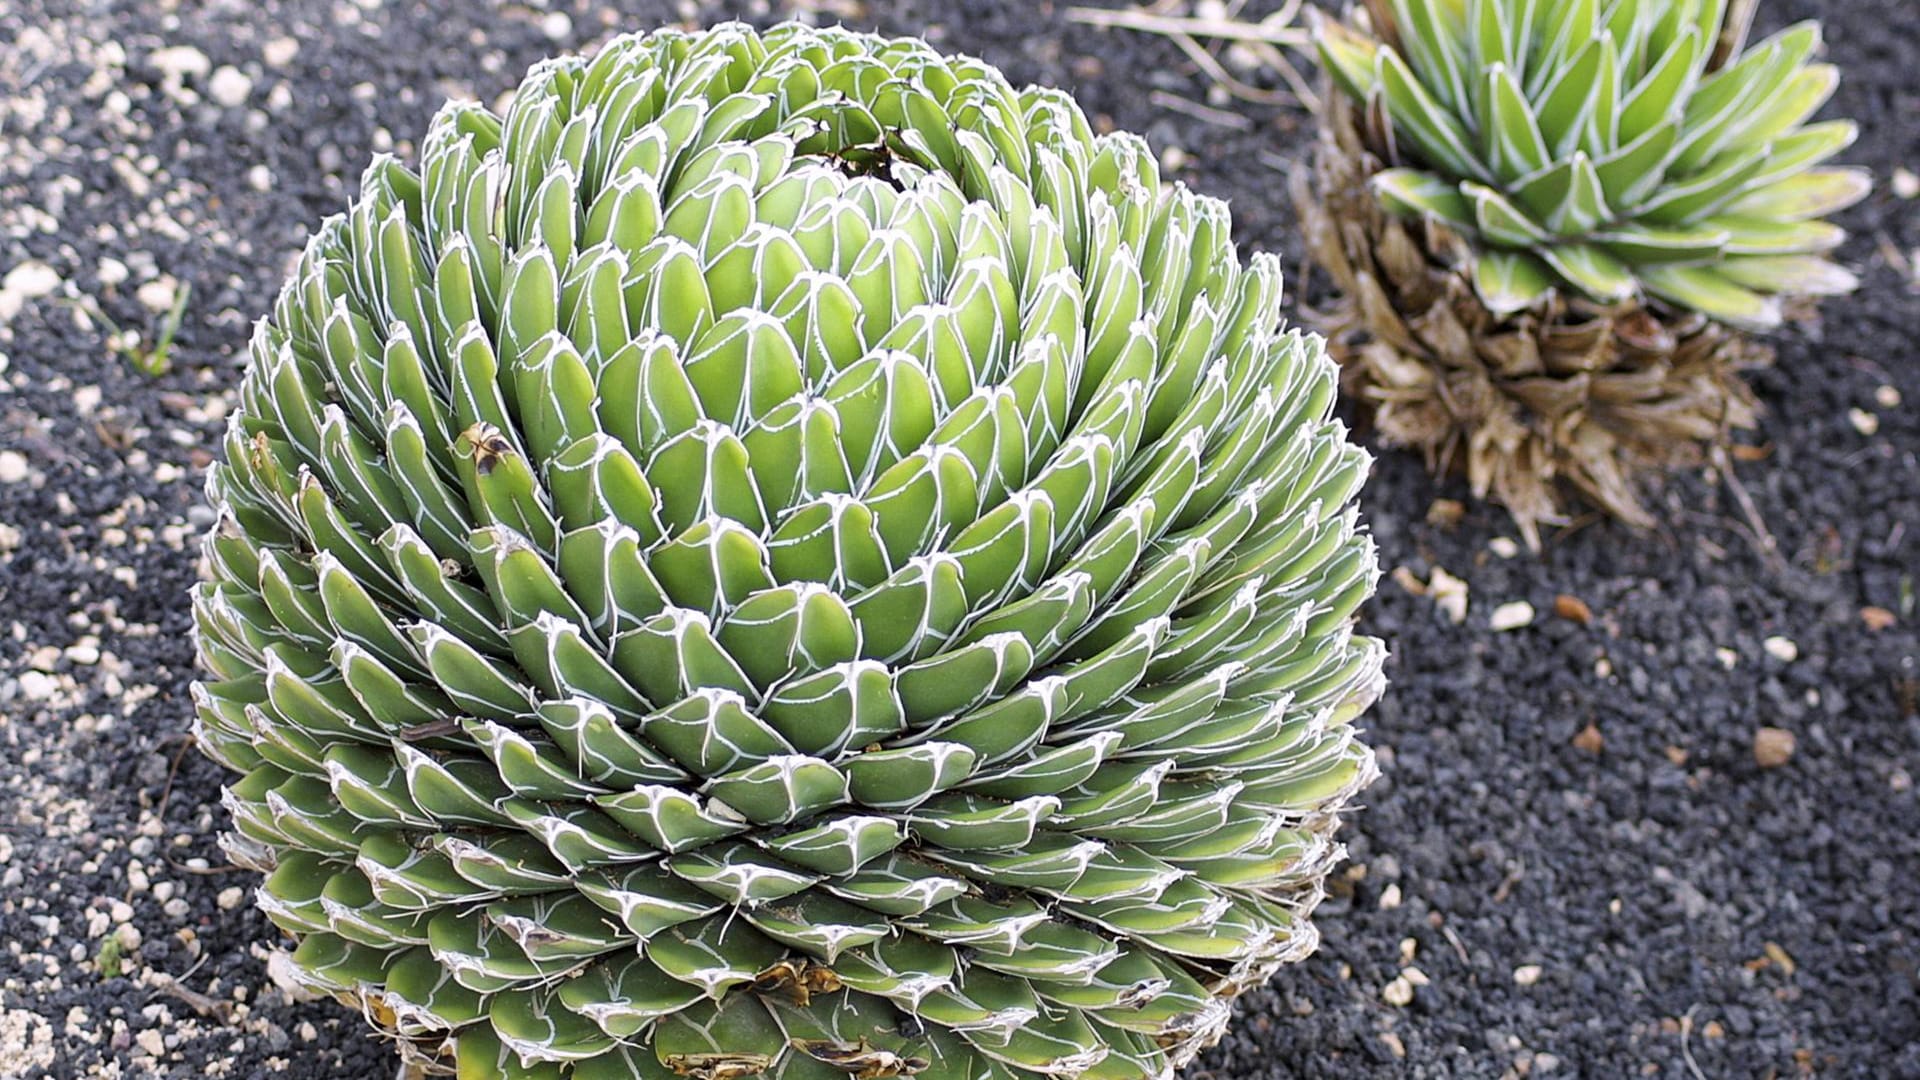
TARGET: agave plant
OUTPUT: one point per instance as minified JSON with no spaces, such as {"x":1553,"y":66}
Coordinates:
{"x":783,"y":555}
{"x":1551,"y":218}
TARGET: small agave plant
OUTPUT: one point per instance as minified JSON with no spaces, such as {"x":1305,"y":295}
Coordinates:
{"x":785,"y":556}
{"x":1551,"y":221}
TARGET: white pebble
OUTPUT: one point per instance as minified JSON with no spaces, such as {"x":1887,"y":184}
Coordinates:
{"x":1863,"y":421}
{"x":179,"y":62}
{"x":260,"y":178}
{"x":37,"y":685}
{"x":230,"y":897}
{"x":1449,"y":595}
{"x":157,"y":294}
{"x":280,"y":51}
{"x":1511,"y":616}
{"x":29,"y":280}
{"x":1782,"y":649}
{"x":229,"y":87}
{"x":1526,"y":974}
{"x":1503,"y":546}
{"x":557,"y":25}
{"x":13,"y":466}
{"x":1399,"y":992}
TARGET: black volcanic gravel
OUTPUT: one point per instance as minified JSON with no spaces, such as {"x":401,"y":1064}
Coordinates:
{"x":1573,"y":866}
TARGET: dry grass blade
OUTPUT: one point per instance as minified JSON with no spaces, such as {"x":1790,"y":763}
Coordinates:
{"x":1266,"y":39}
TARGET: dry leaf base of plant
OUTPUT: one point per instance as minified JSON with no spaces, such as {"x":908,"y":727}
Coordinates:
{"x":1567,"y":396}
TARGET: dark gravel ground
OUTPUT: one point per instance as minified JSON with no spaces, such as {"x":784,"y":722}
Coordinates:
{"x":1573,"y":867}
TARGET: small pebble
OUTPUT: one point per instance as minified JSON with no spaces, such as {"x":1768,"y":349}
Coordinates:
{"x":1905,"y":183}
{"x":1511,"y":616}
{"x":29,"y":280}
{"x":280,"y":51}
{"x":180,"y":62}
{"x":1398,"y":993}
{"x":1526,"y":974}
{"x":1449,"y":595}
{"x":1782,"y":649}
{"x":158,"y":294}
{"x":13,"y":466}
{"x":229,"y":87}
{"x":38,"y":685}
{"x":1773,"y":747}
{"x":1573,"y":609}
{"x":1863,"y":421}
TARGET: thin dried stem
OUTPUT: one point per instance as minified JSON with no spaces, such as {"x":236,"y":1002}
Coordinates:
{"x":1265,"y":39}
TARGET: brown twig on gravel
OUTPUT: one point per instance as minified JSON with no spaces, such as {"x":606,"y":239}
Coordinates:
{"x":1763,"y":542}
{"x":1266,"y":39}
{"x":198,"y":1002}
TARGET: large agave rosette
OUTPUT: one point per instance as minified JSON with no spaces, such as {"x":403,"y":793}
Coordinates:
{"x":785,"y":556}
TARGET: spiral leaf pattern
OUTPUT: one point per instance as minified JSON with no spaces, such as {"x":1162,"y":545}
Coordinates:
{"x":783,"y":555}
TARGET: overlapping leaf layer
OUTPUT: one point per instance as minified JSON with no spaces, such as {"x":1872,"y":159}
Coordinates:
{"x":1616,"y":148}
{"x":786,"y":556}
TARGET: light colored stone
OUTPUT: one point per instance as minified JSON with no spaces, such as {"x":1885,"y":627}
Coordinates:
{"x":1449,"y":595}
{"x":1526,"y":974}
{"x":158,"y":294}
{"x":180,"y":62}
{"x":1773,"y":747}
{"x":29,"y":280}
{"x":26,"y":1043}
{"x":1782,"y":649}
{"x":1511,"y":616}
{"x":280,"y":51}
{"x":13,"y":467}
{"x":1398,"y":993}
{"x":38,"y":685}
{"x":229,"y":87}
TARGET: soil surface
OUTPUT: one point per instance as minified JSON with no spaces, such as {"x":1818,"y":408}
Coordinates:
{"x":1574,"y":866}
